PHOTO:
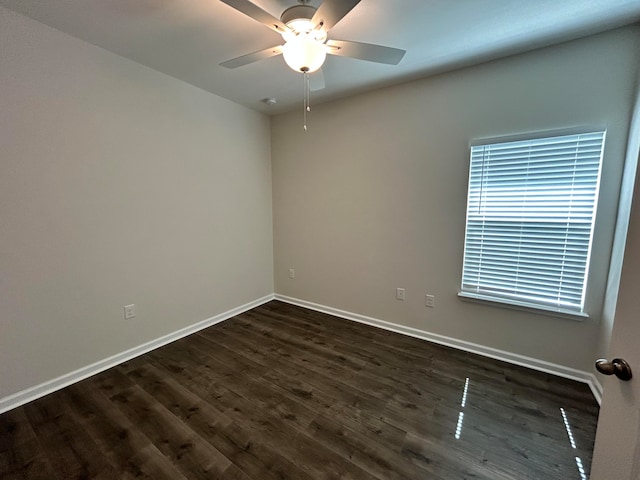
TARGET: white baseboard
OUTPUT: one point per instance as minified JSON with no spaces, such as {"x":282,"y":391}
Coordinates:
{"x":596,"y":387}
{"x":514,"y":358}
{"x":67,"y":379}
{"x":50,"y":386}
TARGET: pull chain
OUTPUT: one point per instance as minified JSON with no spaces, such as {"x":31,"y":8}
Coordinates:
{"x":306,"y":95}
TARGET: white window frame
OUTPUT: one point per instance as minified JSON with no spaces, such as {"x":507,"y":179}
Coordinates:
{"x":531,"y":208}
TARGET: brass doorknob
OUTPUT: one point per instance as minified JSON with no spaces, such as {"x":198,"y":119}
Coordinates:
{"x":618,"y":367}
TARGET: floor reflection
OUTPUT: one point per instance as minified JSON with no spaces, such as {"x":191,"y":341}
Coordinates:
{"x":510,"y":427}
{"x":463,"y":403}
{"x":567,"y":426}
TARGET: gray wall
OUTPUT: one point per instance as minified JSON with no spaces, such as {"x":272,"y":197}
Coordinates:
{"x":118,"y":185}
{"x":373,"y":196}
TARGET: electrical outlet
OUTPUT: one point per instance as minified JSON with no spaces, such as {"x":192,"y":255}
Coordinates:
{"x":292,"y":273}
{"x":399,"y":293}
{"x":129,"y":311}
{"x":430,"y":301}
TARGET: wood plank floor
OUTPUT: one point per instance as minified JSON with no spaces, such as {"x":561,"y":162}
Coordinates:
{"x":281,"y":392}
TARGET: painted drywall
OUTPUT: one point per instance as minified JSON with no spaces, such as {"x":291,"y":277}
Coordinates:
{"x":118,"y":185}
{"x":373,"y":196}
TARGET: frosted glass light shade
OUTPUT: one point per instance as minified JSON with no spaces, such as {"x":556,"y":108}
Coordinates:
{"x":304,"y":55}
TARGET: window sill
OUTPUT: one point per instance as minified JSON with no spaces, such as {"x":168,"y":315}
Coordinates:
{"x":527,"y":307}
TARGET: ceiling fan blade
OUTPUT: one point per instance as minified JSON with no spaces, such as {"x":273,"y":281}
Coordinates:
{"x":258,"y":14}
{"x":252,"y":57}
{"x":365,"y":51}
{"x":316,"y":81}
{"x":331,"y":12}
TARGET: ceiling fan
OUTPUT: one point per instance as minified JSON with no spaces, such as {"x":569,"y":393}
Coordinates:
{"x":304,"y":30}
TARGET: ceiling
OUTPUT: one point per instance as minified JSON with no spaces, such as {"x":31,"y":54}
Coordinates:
{"x":187,"y":39}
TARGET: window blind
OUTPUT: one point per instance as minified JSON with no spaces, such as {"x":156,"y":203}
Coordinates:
{"x":530,"y":215}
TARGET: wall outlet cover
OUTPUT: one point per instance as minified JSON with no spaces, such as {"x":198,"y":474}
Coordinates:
{"x":129,"y":311}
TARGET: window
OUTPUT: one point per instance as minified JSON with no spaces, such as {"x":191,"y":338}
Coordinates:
{"x":530,"y":215}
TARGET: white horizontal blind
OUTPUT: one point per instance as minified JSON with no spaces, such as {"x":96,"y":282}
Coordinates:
{"x":530,"y":216}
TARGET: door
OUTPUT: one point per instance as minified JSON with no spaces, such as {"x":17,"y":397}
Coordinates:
{"x":616,"y":454}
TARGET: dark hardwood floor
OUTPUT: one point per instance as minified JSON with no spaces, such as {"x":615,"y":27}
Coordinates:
{"x":281,"y":392}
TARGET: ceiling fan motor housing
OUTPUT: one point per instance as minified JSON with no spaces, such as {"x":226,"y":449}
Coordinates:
{"x":297,"y":12}
{"x":299,"y":19}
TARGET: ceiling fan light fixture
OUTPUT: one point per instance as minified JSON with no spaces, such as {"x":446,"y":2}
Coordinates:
{"x":304,"y":55}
